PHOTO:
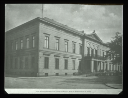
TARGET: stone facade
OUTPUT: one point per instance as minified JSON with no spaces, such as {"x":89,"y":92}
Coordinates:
{"x":31,"y":61}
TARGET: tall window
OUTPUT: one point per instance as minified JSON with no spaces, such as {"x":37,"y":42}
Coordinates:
{"x":46,"y":62}
{"x":12,"y":45}
{"x":21,"y":44}
{"x":103,"y":53}
{"x":33,"y":41}
{"x":46,"y":42}
{"x":88,"y":51}
{"x":27,"y":42}
{"x":21,"y":62}
{"x":96,"y":53}
{"x":33,"y":62}
{"x":73,"y":61}
{"x":57,"y":44}
{"x":66,"y":46}
{"x":16,"y":63}
{"x":16,"y":45}
{"x":11,"y":62}
{"x":74,"y":46}
{"x":26,"y":62}
{"x":56,"y":63}
{"x":66,"y":64}
{"x":80,"y":49}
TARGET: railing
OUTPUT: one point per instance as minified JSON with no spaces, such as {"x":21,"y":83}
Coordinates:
{"x":95,"y":57}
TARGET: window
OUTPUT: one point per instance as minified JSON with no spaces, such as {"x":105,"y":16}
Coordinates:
{"x":33,"y":62}
{"x":27,"y":42}
{"x":46,"y":43}
{"x":56,"y":63}
{"x":33,"y":41}
{"x":21,"y":44}
{"x":103,"y":53}
{"x":11,"y":62}
{"x":74,"y":46}
{"x":46,"y":62}
{"x":66,"y":64}
{"x":16,"y":45}
{"x":66,"y":46}
{"x":80,"y":49}
{"x":73,"y":61}
{"x":96,"y":53}
{"x":57,"y":44}
{"x":16,"y":63}
{"x":12,"y":45}
{"x":26,"y":62}
{"x":21,"y":62}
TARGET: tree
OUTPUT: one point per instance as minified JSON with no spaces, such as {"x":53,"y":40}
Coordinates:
{"x":116,"y":49}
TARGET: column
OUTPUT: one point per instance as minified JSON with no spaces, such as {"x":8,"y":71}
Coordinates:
{"x":92,"y":66}
{"x":107,"y":66}
{"x":111,"y":67}
{"x":98,"y":66}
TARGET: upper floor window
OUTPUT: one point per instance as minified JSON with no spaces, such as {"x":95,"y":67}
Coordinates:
{"x":74,"y":46}
{"x":27,"y":42}
{"x":57,"y":44}
{"x":33,"y":41}
{"x":21,"y":44}
{"x":66,"y":46}
{"x":88,"y":49}
{"x":16,"y":45}
{"x":12,"y":45}
{"x":80,"y":49}
{"x":46,"y":42}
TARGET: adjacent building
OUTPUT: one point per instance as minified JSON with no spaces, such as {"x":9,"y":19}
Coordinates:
{"x":43,"y":47}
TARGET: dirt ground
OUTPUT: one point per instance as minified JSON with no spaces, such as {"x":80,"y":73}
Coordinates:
{"x":61,"y":82}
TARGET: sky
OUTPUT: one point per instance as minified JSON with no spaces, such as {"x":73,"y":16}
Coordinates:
{"x":106,"y":20}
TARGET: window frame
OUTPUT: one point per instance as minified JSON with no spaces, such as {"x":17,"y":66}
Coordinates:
{"x":46,"y":64}
{"x":46,"y":41}
{"x":56,"y":63}
{"x":66,"y":45}
{"x":27,"y":42}
{"x":66,"y":64}
{"x":74,"y":64}
{"x":57,"y":44}
{"x":74,"y":47}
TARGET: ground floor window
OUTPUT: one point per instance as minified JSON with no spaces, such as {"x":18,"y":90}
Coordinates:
{"x":66,"y":64}
{"x":16,"y":63}
{"x":26,"y":62}
{"x":73,"y":62}
{"x":33,"y":62}
{"x":56,"y":63}
{"x":46,"y":62}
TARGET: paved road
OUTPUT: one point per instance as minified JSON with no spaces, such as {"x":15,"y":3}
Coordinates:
{"x":55,"y":82}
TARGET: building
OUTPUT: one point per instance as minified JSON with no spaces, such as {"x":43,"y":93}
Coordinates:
{"x":43,"y":47}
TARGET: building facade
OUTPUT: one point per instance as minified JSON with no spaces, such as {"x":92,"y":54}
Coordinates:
{"x":43,"y":47}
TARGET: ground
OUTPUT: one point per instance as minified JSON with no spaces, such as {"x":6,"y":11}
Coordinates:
{"x":64,"y":82}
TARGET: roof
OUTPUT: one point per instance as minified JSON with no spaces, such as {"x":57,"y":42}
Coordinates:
{"x":50,"y":21}
{"x":92,"y":36}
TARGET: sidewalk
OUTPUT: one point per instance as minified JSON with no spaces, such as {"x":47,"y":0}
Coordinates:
{"x":115,"y":86}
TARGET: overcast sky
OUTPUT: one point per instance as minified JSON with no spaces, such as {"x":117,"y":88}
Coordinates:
{"x":105,"y":20}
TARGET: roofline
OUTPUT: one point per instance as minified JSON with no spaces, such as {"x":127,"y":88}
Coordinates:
{"x":43,"y":20}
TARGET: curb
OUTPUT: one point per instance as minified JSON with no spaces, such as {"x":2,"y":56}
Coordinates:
{"x":111,"y":86}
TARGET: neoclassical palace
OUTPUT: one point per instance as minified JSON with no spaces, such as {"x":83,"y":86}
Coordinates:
{"x":43,"y":47}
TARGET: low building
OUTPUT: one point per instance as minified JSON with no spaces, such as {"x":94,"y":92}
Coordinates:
{"x":43,"y":47}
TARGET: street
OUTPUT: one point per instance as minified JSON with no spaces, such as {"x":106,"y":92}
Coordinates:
{"x":62,"y":82}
